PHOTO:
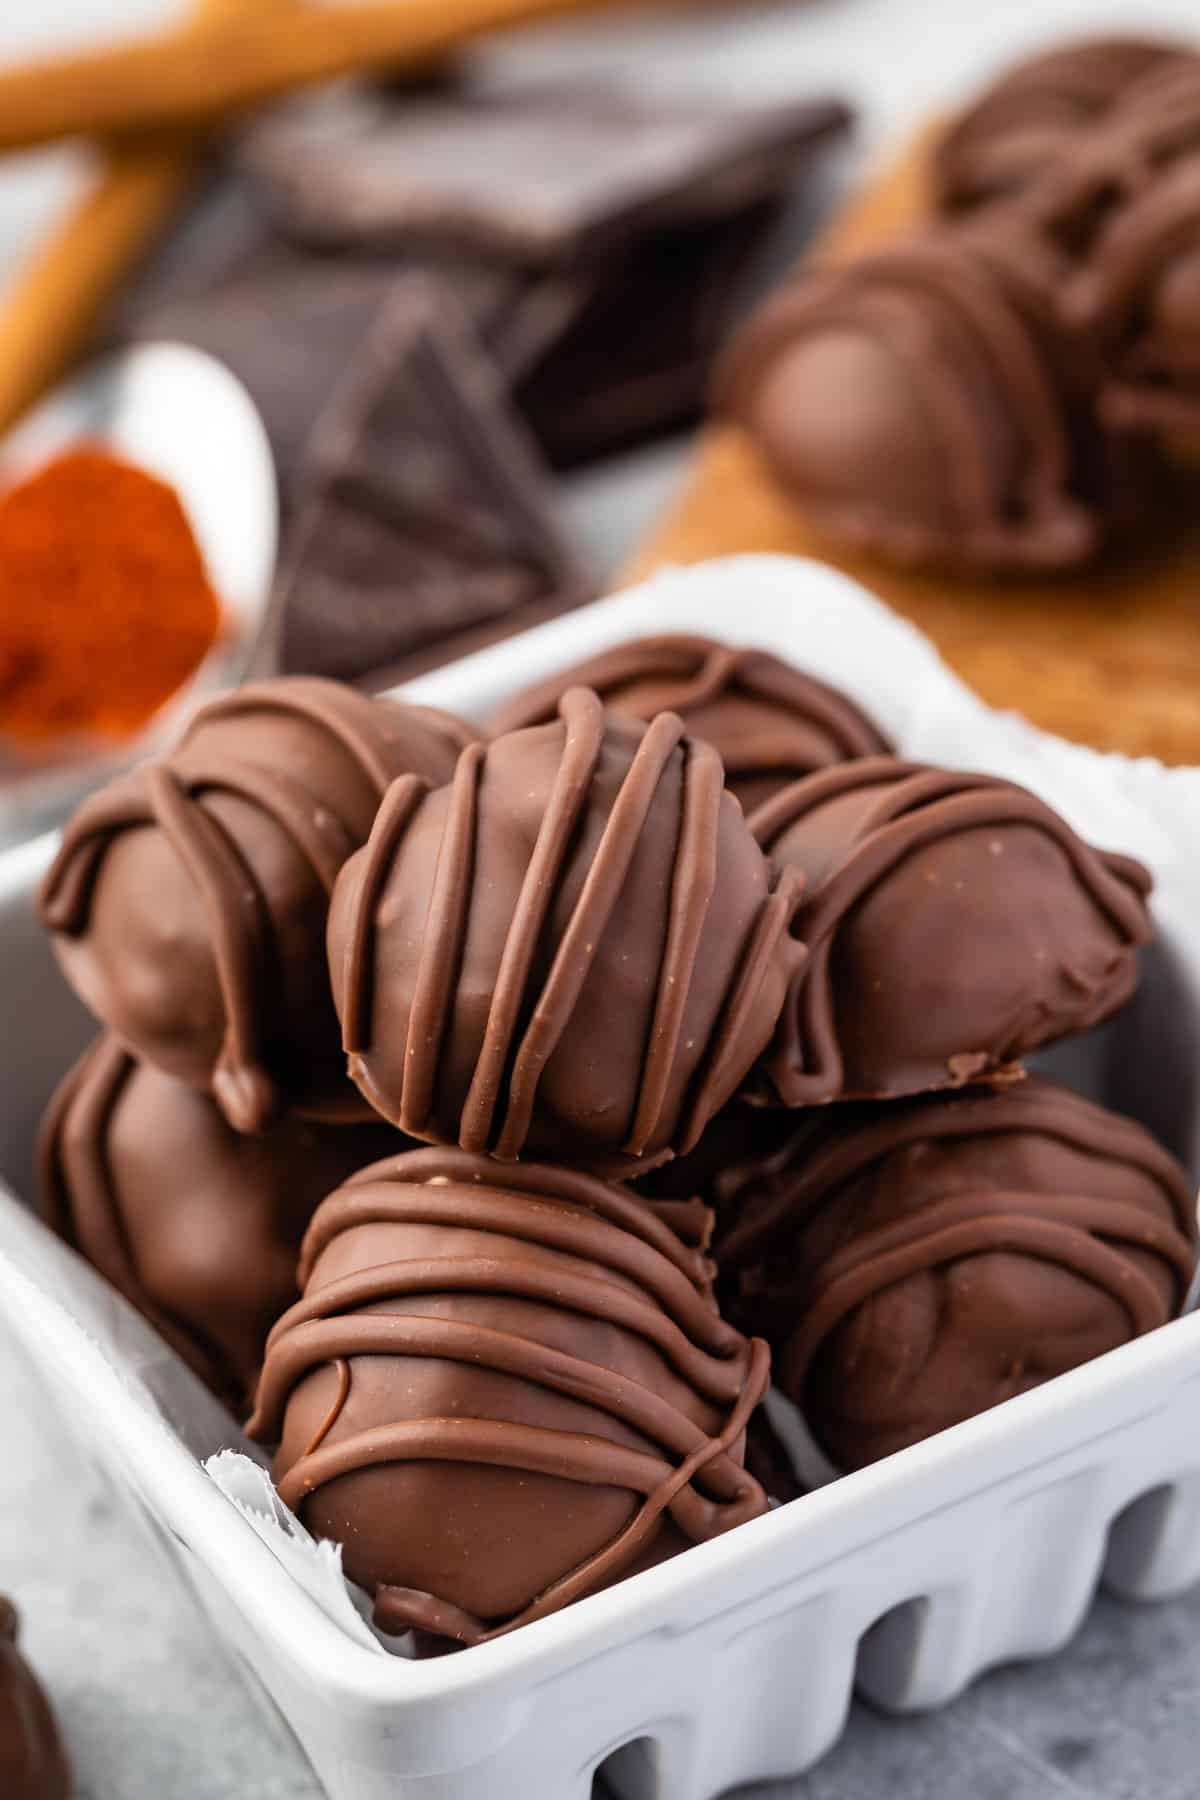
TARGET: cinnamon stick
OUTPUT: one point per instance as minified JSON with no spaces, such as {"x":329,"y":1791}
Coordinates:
{"x":175,"y":80}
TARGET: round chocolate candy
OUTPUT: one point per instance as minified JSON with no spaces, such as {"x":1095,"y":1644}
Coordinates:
{"x":1022,"y":125}
{"x":954,"y":922}
{"x":771,"y":723}
{"x":33,"y":1763}
{"x":197,"y":1225}
{"x":189,"y":898}
{"x":502,"y":1390}
{"x":575,"y":950}
{"x":924,"y":403}
{"x":915,"y":1263}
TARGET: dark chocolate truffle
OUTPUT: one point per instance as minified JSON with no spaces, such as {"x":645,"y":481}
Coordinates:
{"x":575,"y":950}
{"x":924,"y":403}
{"x":33,"y":1763}
{"x":954,"y":922}
{"x":1018,"y":128}
{"x":770,"y":723}
{"x":188,"y":899}
{"x":502,"y":1390}
{"x":912,"y":1264}
{"x":197,"y":1225}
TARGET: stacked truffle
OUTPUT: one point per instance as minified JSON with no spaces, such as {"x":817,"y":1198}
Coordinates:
{"x":562,"y":956}
{"x":1011,"y":388}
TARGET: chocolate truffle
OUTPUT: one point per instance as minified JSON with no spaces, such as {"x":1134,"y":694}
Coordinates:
{"x":954,"y":922}
{"x":924,"y":403}
{"x":188,"y":899}
{"x":503,"y":1389}
{"x":1023,"y":123}
{"x":574,"y":950}
{"x":912,"y":1264}
{"x":197,"y":1225}
{"x":770,"y":723}
{"x":33,"y":1763}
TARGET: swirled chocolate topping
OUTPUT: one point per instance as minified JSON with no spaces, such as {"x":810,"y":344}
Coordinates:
{"x":912,"y":1264}
{"x":33,"y":1763}
{"x":574,"y":950}
{"x":771,"y":723}
{"x":197,"y":1225}
{"x":925,"y":404}
{"x":1020,"y":125}
{"x":503,"y":1389}
{"x":189,"y":898}
{"x":954,"y":922}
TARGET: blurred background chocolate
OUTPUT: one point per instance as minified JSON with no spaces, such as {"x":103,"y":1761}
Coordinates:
{"x":188,"y":899}
{"x":770,"y":722}
{"x":502,"y":1390}
{"x":914,"y":1264}
{"x":953,"y":923}
{"x":197,"y":1225}
{"x":33,"y":1763}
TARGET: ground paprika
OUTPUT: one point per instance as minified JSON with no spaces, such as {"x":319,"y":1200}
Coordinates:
{"x":105,"y":605}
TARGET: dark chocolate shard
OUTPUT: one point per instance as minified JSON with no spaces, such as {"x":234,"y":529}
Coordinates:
{"x":425,"y":510}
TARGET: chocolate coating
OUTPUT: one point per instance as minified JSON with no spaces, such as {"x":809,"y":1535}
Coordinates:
{"x":188,"y":899}
{"x":954,"y":922}
{"x":925,"y":403}
{"x":197,"y":1225}
{"x":1024,"y":122}
{"x":33,"y":1763}
{"x":770,"y":723}
{"x":575,"y":950}
{"x":502,"y":1389}
{"x":915,"y":1263}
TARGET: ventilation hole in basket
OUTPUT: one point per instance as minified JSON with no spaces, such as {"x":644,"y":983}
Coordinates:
{"x":633,"y":1772}
{"x":1135,"y":1536}
{"x":888,"y":1649}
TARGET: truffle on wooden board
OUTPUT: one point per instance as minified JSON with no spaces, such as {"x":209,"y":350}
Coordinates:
{"x":188,"y":900}
{"x":197,"y":1225}
{"x":503,"y":1389}
{"x":914,"y":1263}
{"x":574,"y":950}
{"x":770,"y":722}
{"x":33,"y":1763}
{"x":953,"y":923}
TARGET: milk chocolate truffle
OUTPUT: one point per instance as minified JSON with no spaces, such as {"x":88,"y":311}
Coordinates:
{"x":189,"y":898}
{"x":912,"y":1264}
{"x":954,"y":922}
{"x":197,"y":1225}
{"x":1000,"y":146}
{"x":33,"y":1763}
{"x":502,"y":1390}
{"x":771,"y":723}
{"x":924,"y":403}
{"x":574,"y":950}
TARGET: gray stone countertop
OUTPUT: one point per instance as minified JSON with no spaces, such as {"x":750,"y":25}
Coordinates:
{"x":151,"y":1704}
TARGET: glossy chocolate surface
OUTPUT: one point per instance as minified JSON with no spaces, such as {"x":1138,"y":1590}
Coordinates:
{"x":504,"y":1389}
{"x":770,"y":722}
{"x":914,"y":1263}
{"x":197,"y":1225}
{"x":954,"y":922}
{"x":189,"y":898}
{"x":574,"y":950}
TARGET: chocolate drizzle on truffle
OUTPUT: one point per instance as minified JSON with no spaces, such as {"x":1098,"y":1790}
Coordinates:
{"x":914,"y":1263}
{"x":954,"y":922}
{"x":770,"y":722}
{"x":33,"y":1763}
{"x":574,"y":949}
{"x":195,"y":1224}
{"x":188,"y":898}
{"x":541,"y":1333}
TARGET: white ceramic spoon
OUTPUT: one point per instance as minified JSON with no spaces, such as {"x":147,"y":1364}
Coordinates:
{"x":184,"y":417}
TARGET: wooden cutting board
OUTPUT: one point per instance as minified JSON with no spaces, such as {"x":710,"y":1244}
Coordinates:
{"x":1109,"y":657}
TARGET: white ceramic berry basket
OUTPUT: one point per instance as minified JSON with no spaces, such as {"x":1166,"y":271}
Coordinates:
{"x":736,"y":1661}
